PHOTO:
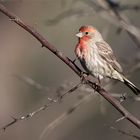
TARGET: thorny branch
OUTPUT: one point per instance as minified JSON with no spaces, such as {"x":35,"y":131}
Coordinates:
{"x":46,"y":106}
{"x":15,"y":120}
{"x":69,"y":63}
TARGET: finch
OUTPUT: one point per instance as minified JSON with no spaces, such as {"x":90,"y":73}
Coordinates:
{"x":97,"y":57}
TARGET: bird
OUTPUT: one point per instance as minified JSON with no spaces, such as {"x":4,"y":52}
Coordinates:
{"x":97,"y":57}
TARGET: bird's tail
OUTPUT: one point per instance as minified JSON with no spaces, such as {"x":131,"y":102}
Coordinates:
{"x":135,"y":89}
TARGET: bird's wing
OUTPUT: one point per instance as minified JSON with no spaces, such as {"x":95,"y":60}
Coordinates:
{"x":106,"y":53}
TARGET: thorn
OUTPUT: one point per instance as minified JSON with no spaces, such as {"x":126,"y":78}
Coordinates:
{"x":118,"y":31}
{"x":113,"y":128}
{"x":72,"y":61}
{"x":3,"y":129}
{"x":120,"y":119}
{"x":15,"y":119}
{"x":14,"y":19}
{"x":60,"y":99}
{"x":22,"y":118}
{"x":42,"y":46}
{"x":52,"y":100}
{"x":123,"y":97}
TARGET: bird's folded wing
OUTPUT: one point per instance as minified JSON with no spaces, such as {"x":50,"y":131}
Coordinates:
{"x":106,"y":53}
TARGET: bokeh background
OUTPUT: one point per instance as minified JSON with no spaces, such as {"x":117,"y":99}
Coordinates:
{"x":22,"y":58}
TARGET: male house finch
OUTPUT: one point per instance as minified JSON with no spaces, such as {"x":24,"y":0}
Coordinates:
{"x":97,"y":58}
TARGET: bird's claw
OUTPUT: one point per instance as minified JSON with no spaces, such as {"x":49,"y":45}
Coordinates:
{"x":83,"y":77}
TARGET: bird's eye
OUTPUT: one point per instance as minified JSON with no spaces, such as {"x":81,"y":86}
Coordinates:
{"x":86,"y":33}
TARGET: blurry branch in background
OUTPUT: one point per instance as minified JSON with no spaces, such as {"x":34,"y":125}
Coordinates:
{"x":68,"y":13}
{"x":124,"y":23}
{"x":44,"y":43}
{"x":107,"y":9}
{"x":134,"y":66}
{"x":130,"y":134}
{"x":120,"y":96}
{"x":50,"y":127}
{"x":33,"y":83}
{"x":118,"y":6}
{"x":130,"y":7}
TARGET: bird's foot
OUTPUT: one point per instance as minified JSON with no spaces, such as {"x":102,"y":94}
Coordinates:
{"x":84,"y":77}
{"x":98,"y":82}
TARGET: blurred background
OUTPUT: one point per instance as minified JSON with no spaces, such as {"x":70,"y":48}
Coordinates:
{"x":29,"y":74}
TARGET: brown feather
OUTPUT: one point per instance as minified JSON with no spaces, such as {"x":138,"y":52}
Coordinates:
{"x":106,"y":53}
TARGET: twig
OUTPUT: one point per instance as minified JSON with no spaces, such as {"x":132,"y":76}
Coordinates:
{"x":65,"y":115}
{"x":130,"y":134}
{"x":102,"y":7}
{"x":132,"y":31}
{"x":118,"y":6}
{"x":120,"y":96}
{"x":33,"y":83}
{"x":59,"y":54}
{"x":68,"y":13}
{"x":30,"y":115}
{"x":129,"y":7}
{"x":46,"y":106}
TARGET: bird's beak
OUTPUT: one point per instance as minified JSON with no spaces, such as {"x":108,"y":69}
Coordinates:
{"x":80,"y":34}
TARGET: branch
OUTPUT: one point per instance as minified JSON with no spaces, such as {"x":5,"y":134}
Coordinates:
{"x":30,"y":115}
{"x":70,"y":63}
{"x":120,"y":96}
{"x":50,"y":127}
{"x":46,"y":106}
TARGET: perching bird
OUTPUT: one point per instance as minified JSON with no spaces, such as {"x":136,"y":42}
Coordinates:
{"x":97,"y":58}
